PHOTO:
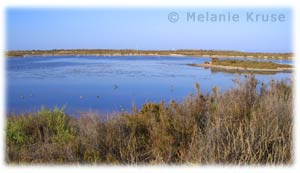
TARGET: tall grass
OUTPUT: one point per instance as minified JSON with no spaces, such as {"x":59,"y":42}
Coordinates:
{"x":249,"y":124}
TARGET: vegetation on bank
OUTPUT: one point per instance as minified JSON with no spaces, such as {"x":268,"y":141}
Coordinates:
{"x":249,"y":124}
{"x":249,"y":64}
{"x":186,"y":52}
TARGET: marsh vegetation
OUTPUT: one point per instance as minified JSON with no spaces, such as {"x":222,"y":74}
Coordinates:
{"x":251,"y":123}
{"x":240,"y":66}
{"x":249,"y":64}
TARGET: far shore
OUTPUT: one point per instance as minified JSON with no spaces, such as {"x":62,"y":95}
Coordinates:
{"x":124,"y":52}
{"x":114,"y":54}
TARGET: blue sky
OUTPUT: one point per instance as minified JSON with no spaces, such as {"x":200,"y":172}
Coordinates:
{"x":145,"y":28}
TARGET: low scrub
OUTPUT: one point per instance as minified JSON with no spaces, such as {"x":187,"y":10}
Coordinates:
{"x":249,"y":124}
{"x":249,"y":64}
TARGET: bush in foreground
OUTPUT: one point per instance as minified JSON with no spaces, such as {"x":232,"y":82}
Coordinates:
{"x":249,"y":124}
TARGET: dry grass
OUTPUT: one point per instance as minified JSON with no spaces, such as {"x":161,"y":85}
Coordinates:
{"x":250,"y":124}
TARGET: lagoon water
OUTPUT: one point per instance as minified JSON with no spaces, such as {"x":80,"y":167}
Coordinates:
{"x":109,"y":84}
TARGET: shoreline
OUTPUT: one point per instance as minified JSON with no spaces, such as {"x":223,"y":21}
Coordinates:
{"x":290,"y":70}
{"x":78,"y":55}
{"x":175,"y":53}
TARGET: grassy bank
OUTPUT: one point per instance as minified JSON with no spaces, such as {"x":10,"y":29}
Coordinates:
{"x":185,"y":52}
{"x":245,"y":66}
{"x":250,"y":124}
{"x":249,"y":64}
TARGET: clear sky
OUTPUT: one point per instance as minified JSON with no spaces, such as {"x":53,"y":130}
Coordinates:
{"x":148,"y":28}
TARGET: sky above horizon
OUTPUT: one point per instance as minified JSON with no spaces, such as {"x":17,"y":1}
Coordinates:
{"x":150,"y":29}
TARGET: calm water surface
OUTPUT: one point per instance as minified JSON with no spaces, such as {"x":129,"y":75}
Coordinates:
{"x":106,"y":84}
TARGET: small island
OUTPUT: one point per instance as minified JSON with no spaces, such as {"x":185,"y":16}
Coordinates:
{"x":245,"y":66}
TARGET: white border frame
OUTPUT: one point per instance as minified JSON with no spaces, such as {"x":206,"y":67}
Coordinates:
{"x":152,"y":3}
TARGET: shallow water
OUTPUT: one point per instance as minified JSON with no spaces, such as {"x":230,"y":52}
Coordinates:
{"x":107,"y":84}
